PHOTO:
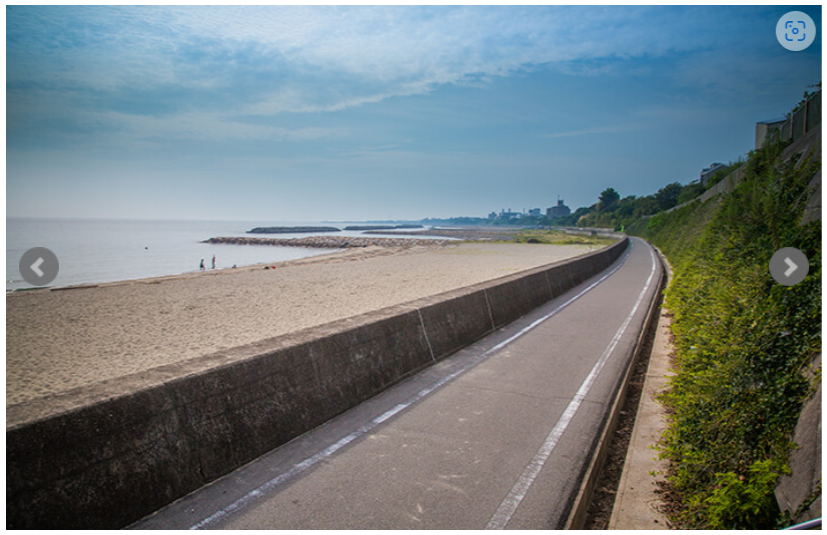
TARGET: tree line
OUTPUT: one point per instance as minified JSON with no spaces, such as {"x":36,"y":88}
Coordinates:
{"x":612,"y":211}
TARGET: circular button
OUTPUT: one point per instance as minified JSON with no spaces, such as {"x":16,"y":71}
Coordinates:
{"x":789,"y":266}
{"x":39,"y":266}
{"x":795,"y":31}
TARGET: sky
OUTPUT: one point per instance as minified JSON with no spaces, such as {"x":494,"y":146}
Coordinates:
{"x":368,"y":113}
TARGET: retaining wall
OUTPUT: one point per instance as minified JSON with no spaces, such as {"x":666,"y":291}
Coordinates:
{"x":106,"y":455}
{"x":806,"y":146}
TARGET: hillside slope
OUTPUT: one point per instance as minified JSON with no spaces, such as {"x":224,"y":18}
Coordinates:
{"x":742,"y":341}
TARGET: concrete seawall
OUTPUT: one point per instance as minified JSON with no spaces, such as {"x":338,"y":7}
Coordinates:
{"x":106,"y":455}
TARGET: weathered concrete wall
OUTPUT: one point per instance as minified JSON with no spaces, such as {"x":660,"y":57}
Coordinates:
{"x":106,"y":455}
{"x":799,"y":493}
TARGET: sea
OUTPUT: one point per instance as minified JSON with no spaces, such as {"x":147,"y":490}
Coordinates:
{"x":93,"y":251}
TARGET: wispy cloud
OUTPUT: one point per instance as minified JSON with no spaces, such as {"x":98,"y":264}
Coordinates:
{"x":195,"y":126}
{"x":269,"y":60}
{"x":599,"y":130}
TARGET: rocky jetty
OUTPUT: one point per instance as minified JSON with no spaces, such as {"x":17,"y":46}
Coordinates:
{"x":478,"y":234}
{"x":382,"y":227}
{"x":330,"y":242}
{"x":291,"y":230}
{"x":369,"y":227}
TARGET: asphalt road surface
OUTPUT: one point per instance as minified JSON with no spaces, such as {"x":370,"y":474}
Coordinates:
{"x":496,"y":436}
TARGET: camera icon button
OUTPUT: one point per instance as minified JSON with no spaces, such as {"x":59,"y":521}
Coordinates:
{"x":795,"y":31}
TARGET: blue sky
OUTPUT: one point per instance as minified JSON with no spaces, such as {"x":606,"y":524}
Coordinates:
{"x":359,"y":113}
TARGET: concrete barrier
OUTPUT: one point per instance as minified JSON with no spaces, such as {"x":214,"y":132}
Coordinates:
{"x":514,"y":298}
{"x":106,"y":455}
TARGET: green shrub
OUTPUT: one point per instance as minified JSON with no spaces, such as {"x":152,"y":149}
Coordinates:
{"x":745,"y":502}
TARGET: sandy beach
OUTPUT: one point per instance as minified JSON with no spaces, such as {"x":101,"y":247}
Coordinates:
{"x":59,"y":340}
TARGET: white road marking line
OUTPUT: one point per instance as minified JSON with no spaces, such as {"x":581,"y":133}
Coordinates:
{"x":512,"y":501}
{"x":284,"y":477}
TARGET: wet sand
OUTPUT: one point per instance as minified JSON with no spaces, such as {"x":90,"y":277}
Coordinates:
{"x":59,"y":340}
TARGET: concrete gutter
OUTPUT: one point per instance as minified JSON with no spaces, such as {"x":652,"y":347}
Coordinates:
{"x":577,"y":517}
{"x":105,"y":455}
{"x":636,"y":503}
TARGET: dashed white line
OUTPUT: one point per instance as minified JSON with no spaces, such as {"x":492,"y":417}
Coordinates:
{"x":512,"y":501}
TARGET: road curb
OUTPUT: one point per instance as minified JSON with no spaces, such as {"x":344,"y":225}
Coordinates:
{"x":577,"y":516}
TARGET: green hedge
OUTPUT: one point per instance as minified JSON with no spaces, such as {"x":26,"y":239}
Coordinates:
{"x":742,"y":342}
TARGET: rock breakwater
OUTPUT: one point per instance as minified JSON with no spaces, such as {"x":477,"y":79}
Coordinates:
{"x":383,"y":227}
{"x":291,"y":230}
{"x":330,"y":242}
{"x":479,"y":234}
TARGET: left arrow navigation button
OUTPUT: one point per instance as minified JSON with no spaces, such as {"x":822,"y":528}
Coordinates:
{"x":39,"y":266}
{"x":36,"y":267}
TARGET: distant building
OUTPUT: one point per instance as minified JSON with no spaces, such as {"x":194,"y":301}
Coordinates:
{"x":534,"y":211}
{"x":763,"y":129}
{"x":492,"y":215}
{"x":707,"y":173}
{"x":556,"y":212}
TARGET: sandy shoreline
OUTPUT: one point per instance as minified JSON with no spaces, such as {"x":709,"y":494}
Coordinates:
{"x":58,"y":340}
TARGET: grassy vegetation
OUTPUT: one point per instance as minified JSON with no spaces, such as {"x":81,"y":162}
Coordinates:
{"x":558,"y":237}
{"x":742,"y":342}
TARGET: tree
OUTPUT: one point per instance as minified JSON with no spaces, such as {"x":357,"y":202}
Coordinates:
{"x":608,"y":199}
{"x":646,"y":206}
{"x":626,"y":207}
{"x":667,"y":196}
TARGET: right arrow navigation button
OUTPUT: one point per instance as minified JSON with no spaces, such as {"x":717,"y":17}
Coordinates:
{"x":789,"y":266}
{"x":792,"y":267}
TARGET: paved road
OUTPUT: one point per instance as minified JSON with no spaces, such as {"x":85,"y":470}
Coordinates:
{"x":497,"y":436}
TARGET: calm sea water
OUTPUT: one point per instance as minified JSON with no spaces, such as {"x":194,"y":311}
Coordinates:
{"x":99,"y":250}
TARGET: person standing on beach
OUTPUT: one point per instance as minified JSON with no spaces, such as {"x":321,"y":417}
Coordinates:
{"x":213,"y":261}
{"x":201,"y":267}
